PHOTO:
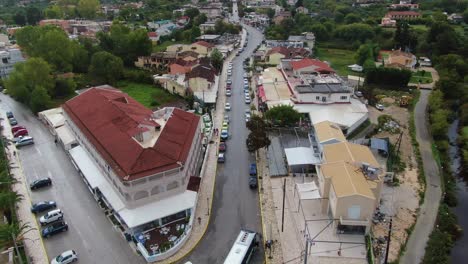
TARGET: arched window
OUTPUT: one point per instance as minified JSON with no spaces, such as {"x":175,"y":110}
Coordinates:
{"x":140,"y":195}
{"x":155,"y":190}
{"x":172,"y":185}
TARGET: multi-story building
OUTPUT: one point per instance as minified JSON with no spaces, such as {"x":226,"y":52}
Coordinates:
{"x":8,"y":59}
{"x":139,"y":165}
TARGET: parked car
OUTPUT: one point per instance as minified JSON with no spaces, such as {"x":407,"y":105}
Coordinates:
{"x":226,"y":118}
{"x":222,"y":147}
{"x":358,"y":93}
{"x":253,"y":182}
{"x":21,"y":132}
{"x":16,"y":128}
{"x":66,"y":257}
{"x":23,"y":141}
{"x":54,"y":228}
{"x":225,"y":126}
{"x":221,"y":158}
{"x":379,"y":107}
{"x":247,"y":117}
{"x":228,"y":86}
{"x":43,"y":206}
{"x":247,"y":100}
{"x":227,"y":107}
{"x":9,"y":114}
{"x":229,"y":81}
{"x":40,"y":183}
{"x":224,"y":135}
{"x":228,"y":92}
{"x":51,"y":216}
{"x":12,"y":121}
{"x":253,"y":169}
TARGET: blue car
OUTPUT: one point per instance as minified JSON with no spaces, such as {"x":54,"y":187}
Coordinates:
{"x":253,"y":169}
{"x":54,"y":228}
{"x":43,"y":206}
{"x":224,"y":135}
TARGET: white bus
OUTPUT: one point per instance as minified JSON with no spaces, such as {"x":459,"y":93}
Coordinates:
{"x":243,"y":248}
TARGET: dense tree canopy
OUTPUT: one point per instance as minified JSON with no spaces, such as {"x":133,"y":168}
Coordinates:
{"x":283,"y":115}
{"x":88,"y":8}
{"x":105,"y":68}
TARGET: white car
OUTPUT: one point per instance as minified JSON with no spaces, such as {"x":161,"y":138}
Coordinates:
{"x":227,"y":107}
{"x":247,"y":100}
{"x":379,"y":107}
{"x":66,"y":257}
{"x":228,"y":92}
{"x":51,"y":216}
{"x":229,"y":72}
{"x":226,"y":118}
{"x":247,"y":117}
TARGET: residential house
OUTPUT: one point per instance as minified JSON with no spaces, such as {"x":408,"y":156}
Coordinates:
{"x":350,"y":181}
{"x":8,"y":58}
{"x":139,"y":165}
{"x":279,"y":17}
{"x":158,"y":60}
{"x":209,"y":26}
{"x":404,"y":6}
{"x":212,"y":10}
{"x":183,"y":20}
{"x":400,"y":59}
{"x":276,"y":54}
{"x":4,"y":40}
{"x":388,"y":22}
{"x":181,"y":66}
{"x":307,"y":65}
{"x":302,"y":10}
{"x":153,"y":36}
{"x":202,"y":47}
{"x":202,"y":81}
{"x":210,"y":38}
{"x":174,"y":84}
{"x":455,"y":18}
{"x":403,"y":15}
{"x":308,"y":38}
{"x":256,"y":20}
{"x":188,"y":55}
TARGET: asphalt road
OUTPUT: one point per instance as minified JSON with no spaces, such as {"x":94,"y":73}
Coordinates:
{"x":235,"y":205}
{"x":90,"y":234}
{"x":415,"y":248}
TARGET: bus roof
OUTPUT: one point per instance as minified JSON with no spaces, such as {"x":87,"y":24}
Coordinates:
{"x":240,"y":247}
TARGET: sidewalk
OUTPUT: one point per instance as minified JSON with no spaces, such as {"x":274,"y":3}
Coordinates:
{"x":33,"y":244}
{"x":208,"y":176}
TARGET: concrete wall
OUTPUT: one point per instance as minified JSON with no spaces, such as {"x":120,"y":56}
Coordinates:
{"x":199,"y":84}
{"x":316,"y":98}
{"x":275,"y":58}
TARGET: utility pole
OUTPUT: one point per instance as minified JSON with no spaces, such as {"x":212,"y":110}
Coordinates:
{"x":306,"y":251}
{"x":389,"y":238}
{"x":284,"y":198}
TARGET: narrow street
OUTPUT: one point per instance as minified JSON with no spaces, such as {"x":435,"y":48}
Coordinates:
{"x":235,"y":205}
{"x":90,"y":233}
{"x":415,"y":248}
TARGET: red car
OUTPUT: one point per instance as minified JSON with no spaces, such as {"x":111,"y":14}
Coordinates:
{"x":222,"y":147}
{"x":21,"y":132}
{"x":16,"y":128}
{"x":228,"y":86}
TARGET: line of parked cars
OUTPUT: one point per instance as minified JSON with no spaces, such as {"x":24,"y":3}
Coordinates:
{"x":52,"y":221}
{"x":20,"y":133}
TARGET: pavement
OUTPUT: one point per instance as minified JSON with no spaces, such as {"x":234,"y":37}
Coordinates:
{"x":415,"y":248}
{"x":235,"y":205}
{"x":33,"y":244}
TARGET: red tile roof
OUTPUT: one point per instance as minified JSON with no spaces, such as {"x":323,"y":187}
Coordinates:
{"x":202,"y":71}
{"x":403,"y":13}
{"x":152,"y":34}
{"x":317,"y":65}
{"x":204,"y":44}
{"x":109,"y":118}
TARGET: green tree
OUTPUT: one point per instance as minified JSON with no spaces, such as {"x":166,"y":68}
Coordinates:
{"x":88,"y":8}
{"x":284,"y":115}
{"x":216,"y":58}
{"x":26,"y":77}
{"x":112,"y":71}
{"x":63,"y":87}
{"x":270,"y":12}
{"x":257,"y":137}
{"x":33,"y":15}
{"x":40,"y":99}
{"x":352,"y":18}
{"x":356,"y":31}
{"x":20,"y":18}
{"x":439,"y":123}
{"x":53,"y":11}
{"x":192,"y":13}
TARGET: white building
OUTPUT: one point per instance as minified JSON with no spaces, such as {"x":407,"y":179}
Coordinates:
{"x":8,"y":59}
{"x":140,"y":165}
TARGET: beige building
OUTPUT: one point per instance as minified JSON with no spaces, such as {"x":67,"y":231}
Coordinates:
{"x":401,"y":59}
{"x":350,"y":180}
{"x":327,"y":132}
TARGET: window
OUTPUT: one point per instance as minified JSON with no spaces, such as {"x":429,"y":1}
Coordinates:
{"x":172,"y":185}
{"x":155,"y":190}
{"x":317,"y":98}
{"x":344,"y":97}
{"x":140,"y":195}
{"x":324,"y":99}
{"x":354,"y":212}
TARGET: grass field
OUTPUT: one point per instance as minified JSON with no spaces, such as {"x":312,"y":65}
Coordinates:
{"x":147,"y":94}
{"x":339,"y":59}
{"x":465,"y":131}
{"x":419,"y":77}
{"x":164,"y":45}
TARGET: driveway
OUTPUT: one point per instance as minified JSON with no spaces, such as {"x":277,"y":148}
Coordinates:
{"x":416,"y":245}
{"x":90,"y":233}
{"x":235,"y":205}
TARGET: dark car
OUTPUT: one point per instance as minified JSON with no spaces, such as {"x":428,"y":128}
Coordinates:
{"x":54,"y":228}
{"x":253,"y":169}
{"x":253,"y":182}
{"x":42,"y":206}
{"x":12,"y":121}
{"x":40,"y":183}
{"x":222,"y":147}
{"x":9,"y":114}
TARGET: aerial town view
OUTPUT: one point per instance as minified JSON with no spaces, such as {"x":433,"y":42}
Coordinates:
{"x":234,"y":131}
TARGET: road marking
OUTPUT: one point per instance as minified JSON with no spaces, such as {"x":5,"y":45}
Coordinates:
{"x":38,"y":151}
{"x":49,"y":173}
